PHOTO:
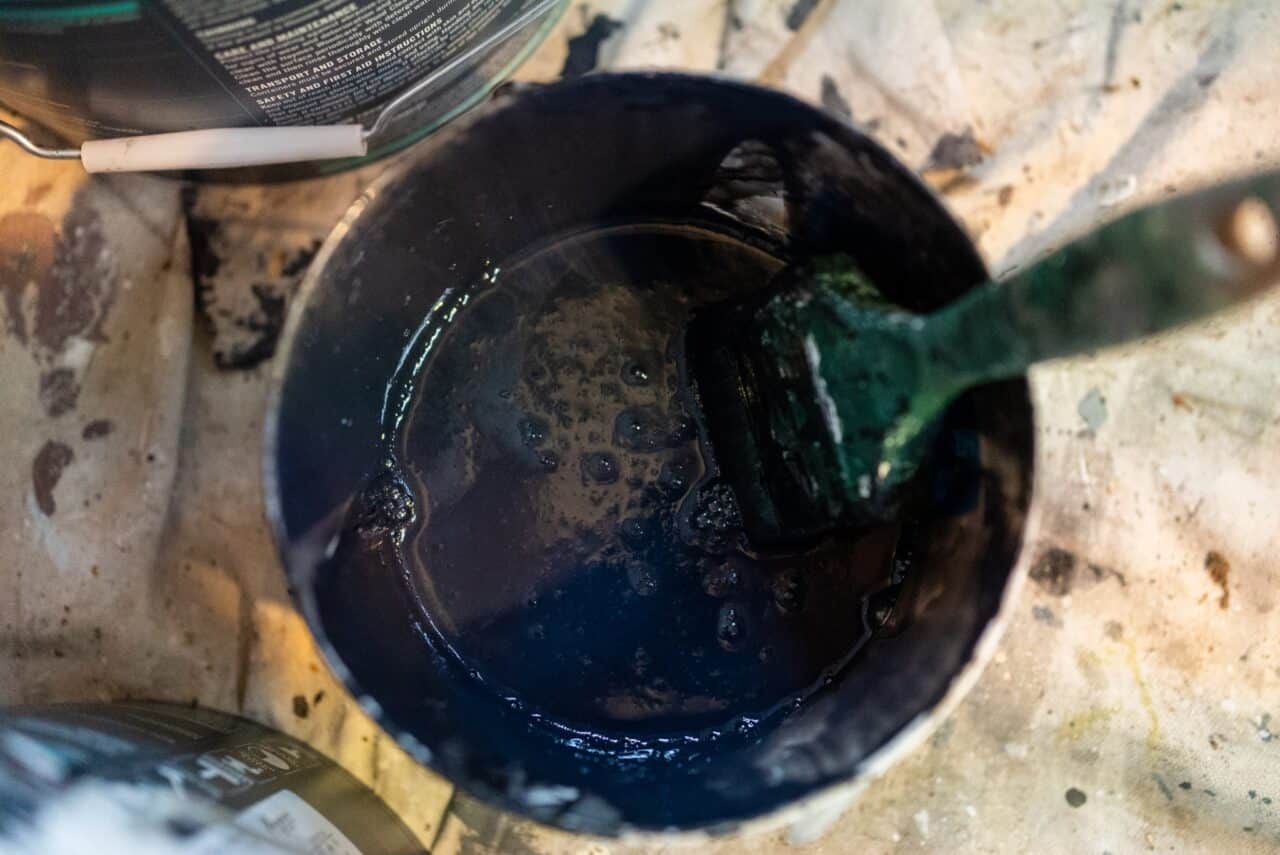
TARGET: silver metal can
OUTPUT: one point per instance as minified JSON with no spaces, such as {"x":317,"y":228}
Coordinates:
{"x":124,"y":67}
{"x":167,"y":778}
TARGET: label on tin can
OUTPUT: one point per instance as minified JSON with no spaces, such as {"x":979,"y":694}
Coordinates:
{"x":282,"y":818}
{"x":136,"y":66}
{"x":328,"y":59}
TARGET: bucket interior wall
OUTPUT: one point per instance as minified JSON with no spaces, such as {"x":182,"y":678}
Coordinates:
{"x":543,"y":161}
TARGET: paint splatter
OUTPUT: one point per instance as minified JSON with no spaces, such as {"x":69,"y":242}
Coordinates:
{"x":266,"y":323}
{"x":73,"y":298}
{"x":1219,"y":570}
{"x":57,"y":283}
{"x":246,"y":322}
{"x":1058,"y":571}
{"x":1045,"y":615}
{"x":97,"y":429}
{"x":59,"y":392}
{"x":955,"y":151}
{"x":1093,"y":410}
{"x":46,"y":471}
{"x":202,"y":235}
{"x":584,"y":49}
{"x":1164,"y":788}
{"x":799,"y":13}
{"x":1119,"y":19}
{"x":833,"y":99}
{"x":1076,"y":797}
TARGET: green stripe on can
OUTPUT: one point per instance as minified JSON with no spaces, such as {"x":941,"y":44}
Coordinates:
{"x":124,"y":8}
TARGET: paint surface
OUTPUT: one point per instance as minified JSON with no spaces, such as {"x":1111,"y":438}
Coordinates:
{"x":571,"y":521}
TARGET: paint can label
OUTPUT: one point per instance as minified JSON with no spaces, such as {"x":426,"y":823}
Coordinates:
{"x":137,"y":66}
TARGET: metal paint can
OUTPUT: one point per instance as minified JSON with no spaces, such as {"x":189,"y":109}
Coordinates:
{"x":539,"y":161}
{"x":105,"y":69}
{"x":162,"y":777}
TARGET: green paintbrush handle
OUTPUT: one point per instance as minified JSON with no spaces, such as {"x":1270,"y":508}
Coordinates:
{"x":821,"y":405}
{"x":1147,"y":272}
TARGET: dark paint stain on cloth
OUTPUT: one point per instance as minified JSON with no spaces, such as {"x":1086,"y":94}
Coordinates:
{"x":201,"y":235}
{"x":46,"y":471}
{"x":97,"y":429}
{"x":799,"y":13}
{"x":1119,"y":19}
{"x":584,"y":49}
{"x":1058,"y":571}
{"x":73,"y":298}
{"x":1075,"y":797}
{"x":1164,"y":787}
{"x":1219,"y":570}
{"x":1045,"y":615}
{"x":265,"y":323}
{"x":833,"y":99}
{"x":246,"y":322}
{"x":55,"y":284}
{"x":955,"y":151}
{"x":58,"y":391}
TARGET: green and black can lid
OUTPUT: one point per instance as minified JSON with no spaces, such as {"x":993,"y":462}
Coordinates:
{"x":200,"y":779}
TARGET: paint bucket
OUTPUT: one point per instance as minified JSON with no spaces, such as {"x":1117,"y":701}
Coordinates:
{"x":165,"y":778}
{"x":402,"y":68}
{"x":542,"y":161}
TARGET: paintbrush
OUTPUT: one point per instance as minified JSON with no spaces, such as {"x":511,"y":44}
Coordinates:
{"x":821,"y":403}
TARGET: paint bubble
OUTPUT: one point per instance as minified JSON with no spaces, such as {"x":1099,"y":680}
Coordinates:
{"x":716,"y":511}
{"x":639,"y":369}
{"x":677,"y":474}
{"x":635,"y":532}
{"x":731,"y":627}
{"x":721,"y":580}
{"x":681,"y":429}
{"x":600,"y":467}
{"x":642,"y":578}
{"x":533,"y":431}
{"x":640,"y":429}
{"x":385,"y":508}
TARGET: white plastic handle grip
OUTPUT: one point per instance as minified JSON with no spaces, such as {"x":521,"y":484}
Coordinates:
{"x":222,"y":147}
